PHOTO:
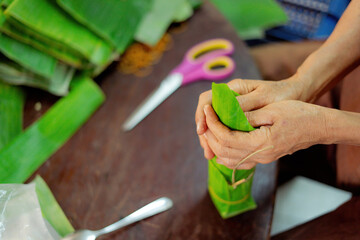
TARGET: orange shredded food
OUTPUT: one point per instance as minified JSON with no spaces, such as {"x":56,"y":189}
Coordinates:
{"x":139,"y":58}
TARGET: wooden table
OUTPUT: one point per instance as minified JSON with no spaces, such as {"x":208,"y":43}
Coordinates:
{"x":103,"y":174}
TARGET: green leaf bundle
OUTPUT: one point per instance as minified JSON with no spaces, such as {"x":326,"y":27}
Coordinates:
{"x":113,"y":20}
{"x":48,"y":25}
{"x":228,"y":200}
{"x":50,"y":208}
{"x":39,"y":141}
{"x":44,"y":71}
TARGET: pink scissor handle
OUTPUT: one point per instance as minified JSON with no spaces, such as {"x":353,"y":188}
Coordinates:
{"x":207,"y":71}
{"x":200,"y":60}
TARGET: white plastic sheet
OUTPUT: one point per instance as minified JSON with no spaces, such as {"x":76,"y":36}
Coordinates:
{"x":20,"y":214}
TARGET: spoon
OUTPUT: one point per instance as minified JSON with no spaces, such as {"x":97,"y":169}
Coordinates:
{"x":151,"y":209}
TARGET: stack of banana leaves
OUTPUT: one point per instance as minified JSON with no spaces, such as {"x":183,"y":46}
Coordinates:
{"x":59,"y":46}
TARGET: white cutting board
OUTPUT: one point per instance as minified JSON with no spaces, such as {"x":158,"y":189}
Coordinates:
{"x":301,"y":200}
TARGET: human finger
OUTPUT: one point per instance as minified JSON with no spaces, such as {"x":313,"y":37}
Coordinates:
{"x":260,"y":117}
{"x":251,"y":101}
{"x":233,"y":163}
{"x":225,"y":136}
{"x":208,"y":153}
{"x":242,"y":86}
{"x":204,"y":98}
{"x":221,"y":151}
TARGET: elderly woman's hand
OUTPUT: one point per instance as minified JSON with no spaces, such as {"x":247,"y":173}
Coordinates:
{"x":288,"y":126}
{"x":254,"y":95}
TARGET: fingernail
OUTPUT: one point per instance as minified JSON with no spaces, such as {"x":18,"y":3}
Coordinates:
{"x":205,"y":135}
{"x":205,"y":109}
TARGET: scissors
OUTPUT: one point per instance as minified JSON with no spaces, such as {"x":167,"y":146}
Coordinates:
{"x":207,"y":60}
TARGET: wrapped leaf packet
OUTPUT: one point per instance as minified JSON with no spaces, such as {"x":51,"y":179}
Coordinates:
{"x":53,"y":27}
{"x":34,"y":68}
{"x":115,"y":21}
{"x":230,"y":199}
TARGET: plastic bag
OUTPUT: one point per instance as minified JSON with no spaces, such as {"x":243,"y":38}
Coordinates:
{"x":20,"y":214}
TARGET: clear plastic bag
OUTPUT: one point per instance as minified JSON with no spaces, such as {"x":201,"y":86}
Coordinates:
{"x":20,"y":214}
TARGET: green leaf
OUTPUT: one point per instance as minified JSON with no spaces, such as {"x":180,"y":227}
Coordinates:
{"x":156,"y":22}
{"x":195,"y":3}
{"x":50,"y":208}
{"x":59,"y":29}
{"x":21,"y":33}
{"x":49,"y":73}
{"x":43,"y":138}
{"x":27,"y":56}
{"x":11,"y":112}
{"x":115,"y":21}
{"x":6,"y":2}
{"x":251,"y":16}
{"x":229,"y":201}
{"x":184,"y":12}
{"x":228,"y":109}
{"x":15,"y":74}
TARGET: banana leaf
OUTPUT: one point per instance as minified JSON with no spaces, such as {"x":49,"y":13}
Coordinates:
{"x":195,"y":3}
{"x":229,"y":201}
{"x":50,"y":24}
{"x":184,"y":12}
{"x":251,"y":18}
{"x":5,"y":3}
{"x":15,"y":74}
{"x":60,"y":52}
{"x":39,"y":141}
{"x":48,"y":73}
{"x":50,"y":208}
{"x":11,"y":112}
{"x":113,"y":20}
{"x":157,"y":20}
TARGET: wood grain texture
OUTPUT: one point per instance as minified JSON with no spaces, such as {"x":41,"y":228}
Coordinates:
{"x":103,"y":174}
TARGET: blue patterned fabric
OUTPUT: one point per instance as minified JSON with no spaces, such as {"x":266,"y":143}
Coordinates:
{"x":309,"y":19}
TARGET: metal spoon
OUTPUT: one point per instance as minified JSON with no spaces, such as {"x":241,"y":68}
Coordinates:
{"x":153,"y":208}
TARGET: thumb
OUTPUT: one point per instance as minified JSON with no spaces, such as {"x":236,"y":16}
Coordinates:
{"x":260,"y":117}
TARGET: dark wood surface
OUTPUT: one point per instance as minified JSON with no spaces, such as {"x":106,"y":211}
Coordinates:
{"x":343,"y":223}
{"x":103,"y":174}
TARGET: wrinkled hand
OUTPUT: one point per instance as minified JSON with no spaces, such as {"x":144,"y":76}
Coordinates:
{"x":288,"y":126}
{"x":254,"y":95}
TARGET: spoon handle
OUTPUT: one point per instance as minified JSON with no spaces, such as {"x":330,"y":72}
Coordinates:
{"x":151,"y":209}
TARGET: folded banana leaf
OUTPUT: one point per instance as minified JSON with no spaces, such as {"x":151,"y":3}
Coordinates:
{"x":14,"y":74}
{"x":50,"y":208}
{"x":49,"y":24}
{"x":229,"y":200}
{"x":60,"y":52}
{"x":157,"y":20}
{"x":115,"y":21}
{"x":48,"y":73}
{"x":12,"y":100}
{"x":39,"y":141}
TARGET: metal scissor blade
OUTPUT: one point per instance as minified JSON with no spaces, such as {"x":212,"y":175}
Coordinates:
{"x":166,"y":88}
